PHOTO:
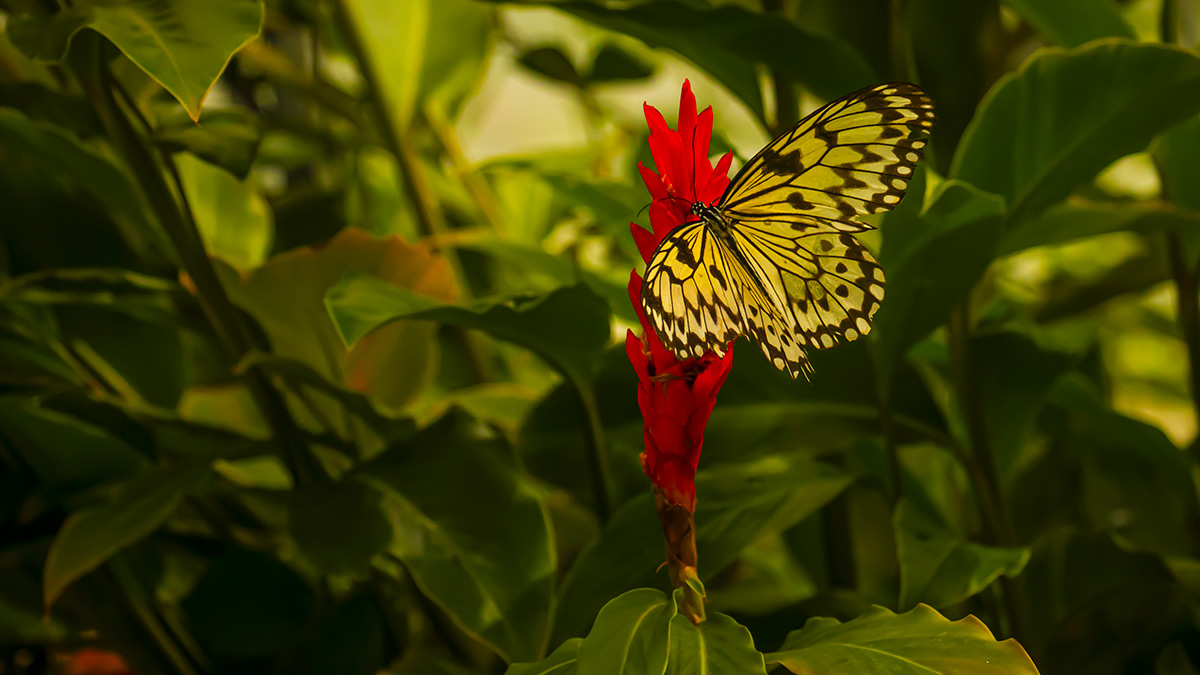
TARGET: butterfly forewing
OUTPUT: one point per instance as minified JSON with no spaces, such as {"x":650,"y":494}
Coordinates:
{"x":851,"y":158}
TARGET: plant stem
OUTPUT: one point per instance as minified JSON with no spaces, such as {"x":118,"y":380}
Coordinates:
{"x":981,"y":464}
{"x":180,"y":227}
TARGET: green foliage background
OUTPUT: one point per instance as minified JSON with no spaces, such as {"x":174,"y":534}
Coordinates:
{"x":310,"y":361}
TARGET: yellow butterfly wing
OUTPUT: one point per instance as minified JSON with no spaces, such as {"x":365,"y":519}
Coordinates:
{"x":699,"y":297}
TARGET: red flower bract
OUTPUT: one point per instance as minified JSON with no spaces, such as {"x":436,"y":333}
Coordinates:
{"x":676,"y":396}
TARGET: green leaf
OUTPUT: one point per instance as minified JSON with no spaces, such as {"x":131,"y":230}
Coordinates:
{"x":183,"y":44}
{"x":631,"y":635}
{"x":318,"y":518}
{"x":729,"y":41}
{"x":933,"y":268}
{"x":1109,"y":99}
{"x":234,"y":220}
{"x":717,"y":646}
{"x":551,"y":62}
{"x":90,"y":537}
{"x":248,"y":604}
{"x":1070,"y":23}
{"x":939,"y":567}
{"x":737,"y":505}
{"x":920,"y":642}
{"x":568,"y":327}
{"x":614,"y":64}
{"x":561,"y":662}
{"x":472,"y":533}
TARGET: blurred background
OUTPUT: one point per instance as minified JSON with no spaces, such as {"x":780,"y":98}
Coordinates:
{"x":210,"y":461}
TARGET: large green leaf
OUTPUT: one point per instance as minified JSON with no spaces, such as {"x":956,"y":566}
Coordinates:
{"x":736,"y":505}
{"x":91,"y":536}
{"x":1108,"y":99}
{"x":472,"y":533}
{"x":183,"y":44}
{"x":931,"y":267}
{"x":568,"y":328}
{"x":940,"y":567}
{"x":1070,"y":23}
{"x":631,"y":635}
{"x":918,"y":642}
{"x":718,"y":646}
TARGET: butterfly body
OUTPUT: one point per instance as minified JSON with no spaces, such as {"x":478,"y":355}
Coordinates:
{"x":775,"y":259}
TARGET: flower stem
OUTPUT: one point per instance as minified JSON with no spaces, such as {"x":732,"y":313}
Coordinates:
{"x":679,"y":531}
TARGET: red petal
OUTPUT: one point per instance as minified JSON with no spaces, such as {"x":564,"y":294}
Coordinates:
{"x":660,"y":145}
{"x":666,"y":216}
{"x":678,"y":400}
{"x":653,"y":183}
{"x":646,"y":243}
{"x":718,"y":180}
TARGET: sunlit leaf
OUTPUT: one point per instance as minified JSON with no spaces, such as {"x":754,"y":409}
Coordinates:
{"x":631,"y":635}
{"x":232,"y":217}
{"x":920,"y":641}
{"x":718,"y":645}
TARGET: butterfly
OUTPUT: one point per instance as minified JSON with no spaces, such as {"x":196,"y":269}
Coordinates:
{"x":775,"y":258}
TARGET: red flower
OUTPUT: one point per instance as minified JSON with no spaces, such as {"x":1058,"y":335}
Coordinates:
{"x":676,"y":396}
